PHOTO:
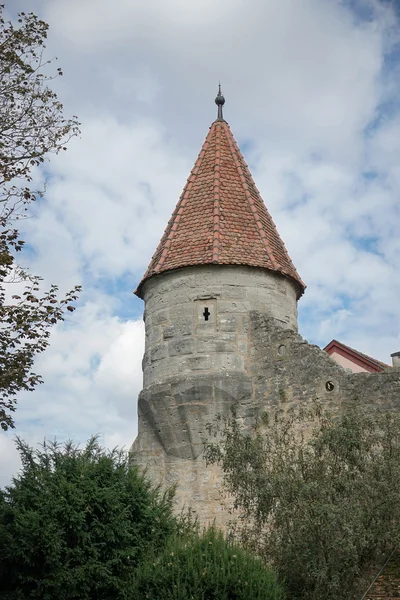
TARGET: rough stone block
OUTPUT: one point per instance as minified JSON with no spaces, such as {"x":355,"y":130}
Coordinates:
{"x":227,"y":362}
{"x":237,"y":386}
{"x":221,"y":342}
{"x":233,"y":306}
{"x":197,"y":393}
{"x":227,"y":292}
{"x":227,"y":322}
{"x":204,"y":293}
{"x":181,"y":347}
{"x":226,"y":275}
{"x":153,"y":335}
{"x":242,"y":344}
{"x":206,"y":329}
{"x":176,"y":281}
{"x":183,"y":311}
{"x":177,"y":330}
{"x":158,"y":352}
{"x":199,"y":363}
{"x":158,"y":317}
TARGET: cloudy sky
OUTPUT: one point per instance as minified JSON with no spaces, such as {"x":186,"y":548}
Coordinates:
{"x":312,"y":98}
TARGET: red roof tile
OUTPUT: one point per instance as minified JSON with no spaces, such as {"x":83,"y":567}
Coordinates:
{"x":220,"y":217}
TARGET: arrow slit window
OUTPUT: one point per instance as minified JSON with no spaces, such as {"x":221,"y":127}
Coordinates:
{"x":205,"y":314}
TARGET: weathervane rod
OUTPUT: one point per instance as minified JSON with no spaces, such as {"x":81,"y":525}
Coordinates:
{"x":220,"y":101}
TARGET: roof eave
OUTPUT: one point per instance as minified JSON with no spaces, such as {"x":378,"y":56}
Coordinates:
{"x":299,"y":285}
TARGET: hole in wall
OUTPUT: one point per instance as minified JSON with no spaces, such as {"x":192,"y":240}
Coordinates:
{"x":206,"y":313}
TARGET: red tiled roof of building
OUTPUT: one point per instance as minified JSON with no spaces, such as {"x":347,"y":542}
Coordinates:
{"x":221,"y":218}
{"x":370,"y":364}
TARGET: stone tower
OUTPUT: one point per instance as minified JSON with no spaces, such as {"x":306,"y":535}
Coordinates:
{"x":220,"y":258}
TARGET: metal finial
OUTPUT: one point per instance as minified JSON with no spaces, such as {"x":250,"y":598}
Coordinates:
{"x":220,"y":101}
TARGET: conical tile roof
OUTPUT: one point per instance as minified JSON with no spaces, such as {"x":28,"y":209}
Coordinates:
{"x":221,"y":218}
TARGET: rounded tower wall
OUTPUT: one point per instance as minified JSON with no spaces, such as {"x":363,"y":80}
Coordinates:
{"x":199,"y":350}
{"x":196,"y":318}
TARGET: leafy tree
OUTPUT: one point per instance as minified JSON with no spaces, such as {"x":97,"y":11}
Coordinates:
{"x":205,"y":567}
{"x":76,"y":522}
{"x":32,"y":126}
{"x":318,"y":496}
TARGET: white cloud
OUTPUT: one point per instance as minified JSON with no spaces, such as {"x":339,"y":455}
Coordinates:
{"x":110,"y":198}
{"x":92,"y":374}
{"x":9,"y":459}
{"x":140,"y":84}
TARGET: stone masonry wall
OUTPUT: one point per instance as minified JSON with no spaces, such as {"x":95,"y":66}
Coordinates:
{"x":195,"y":369}
{"x":279,"y":369}
{"x":178,"y":338}
{"x":287,"y":371}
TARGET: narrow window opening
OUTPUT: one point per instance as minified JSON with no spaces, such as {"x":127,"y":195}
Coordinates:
{"x":206,"y":313}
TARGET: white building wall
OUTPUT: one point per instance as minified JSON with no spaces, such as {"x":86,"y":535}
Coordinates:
{"x":347,"y":363}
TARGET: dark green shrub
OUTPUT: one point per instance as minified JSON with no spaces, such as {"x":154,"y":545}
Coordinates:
{"x":76,"y":522}
{"x":205,"y":567}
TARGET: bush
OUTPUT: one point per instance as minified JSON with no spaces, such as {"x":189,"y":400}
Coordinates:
{"x":76,"y":522}
{"x":204,"y":567}
{"x":319,"y":495}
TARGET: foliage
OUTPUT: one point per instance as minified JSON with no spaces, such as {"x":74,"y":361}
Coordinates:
{"x":205,"y":567}
{"x":32,"y":126}
{"x":319,"y":496}
{"x":76,"y":522}
{"x":31,"y":119}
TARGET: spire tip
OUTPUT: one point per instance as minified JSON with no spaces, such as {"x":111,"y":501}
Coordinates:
{"x":220,"y":101}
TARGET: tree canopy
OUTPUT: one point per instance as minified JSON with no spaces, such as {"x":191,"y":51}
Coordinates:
{"x":318,"y":496}
{"x":32,"y":126}
{"x":86,"y":524}
{"x":76,"y":522}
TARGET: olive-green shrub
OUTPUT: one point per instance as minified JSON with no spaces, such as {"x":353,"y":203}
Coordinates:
{"x":204,"y":567}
